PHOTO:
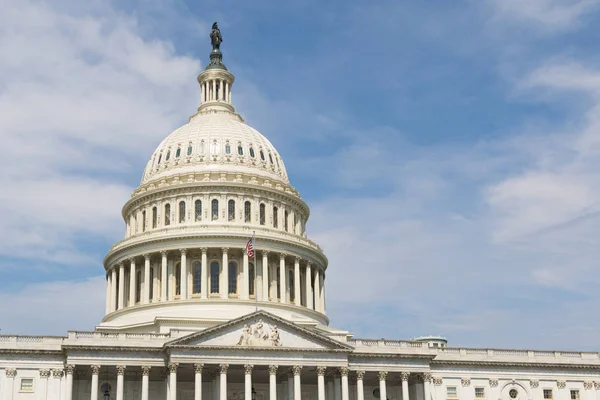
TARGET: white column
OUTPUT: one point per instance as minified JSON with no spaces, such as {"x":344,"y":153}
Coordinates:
{"x":147,"y":282}
{"x":308,"y":288}
{"x":360,"y":391}
{"x":203,"y":92}
{"x":69,"y":381}
{"x":44,"y":375}
{"x":382,"y":375}
{"x":184,"y":273}
{"x":245,"y":290}
{"x":113,"y":289}
{"x":297,"y":370}
{"x":108,"y":279}
{"x":214,"y":90}
{"x":145,"y":381}
{"x":226,"y":93}
{"x":404,"y":377}
{"x":120,"y":381}
{"x":11,"y":373}
{"x":225,"y":275}
{"x":221,"y":90}
{"x":282,"y":274}
{"x":204,"y":275}
{"x":297,"y":294}
{"x":265,"y":275}
{"x":223,"y":384}
{"x":322,"y":291}
{"x":337,"y":387}
{"x":426,"y":386}
{"x":317,"y":279}
{"x":173,"y":380}
{"x":272,"y":382}
{"x":94,"y":385}
{"x":132,"y":282}
{"x":321,"y":383}
{"x":344,"y":375}
{"x":54,"y":384}
{"x":163,"y":277}
{"x":121,"y":286}
{"x":248,"y":382}
{"x":198,"y":381}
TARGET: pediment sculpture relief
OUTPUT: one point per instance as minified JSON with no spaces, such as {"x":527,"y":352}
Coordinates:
{"x":259,"y":335}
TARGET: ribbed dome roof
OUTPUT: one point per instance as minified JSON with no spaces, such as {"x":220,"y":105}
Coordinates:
{"x":215,"y":141}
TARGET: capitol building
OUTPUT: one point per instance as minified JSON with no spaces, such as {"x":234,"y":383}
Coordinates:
{"x":196,"y":312}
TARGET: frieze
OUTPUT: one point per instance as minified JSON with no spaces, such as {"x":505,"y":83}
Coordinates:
{"x":588,"y":385}
{"x":534,"y":383}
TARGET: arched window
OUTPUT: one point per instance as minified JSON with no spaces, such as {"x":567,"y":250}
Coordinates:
{"x":214,"y":147}
{"x":198,"y":210}
{"x":231,"y":210}
{"x":144,"y":221}
{"x":178,"y":152}
{"x":275,"y":217}
{"x":197,"y":274}
{"x":181,"y":212}
{"x":291,"y":285}
{"x":285,"y":221}
{"x":251,"y":152}
{"x":271,"y":158}
{"x":189,"y":150}
{"x":138,"y":286}
{"x":295,"y":227}
{"x":214,"y":277}
{"x":159,"y":158}
{"x":168,"y":155}
{"x":251,"y":273}
{"x":240,"y":150}
{"x":154,"y":217}
{"x":202,"y":147}
{"x":262,"y":155}
{"x":232,"y":277}
{"x":247,"y":212}
{"x":262,"y":212}
{"x":167,"y":214}
{"x":277,"y":161}
{"x":227,"y":148}
{"x":178,"y":279}
{"x":215,"y":209}
{"x":151,"y":283}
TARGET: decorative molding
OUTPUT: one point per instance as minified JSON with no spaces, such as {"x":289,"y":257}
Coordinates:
{"x":360,"y":375}
{"x":273,"y":369}
{"x":198,"y":368}
{"x":493,"y":382}
{"x":248,"y":369}
{"x":183,"y":251}
{"x":404,"y":376}
{"x":534,"y":383}
{"x":223,"y":368}
{"x":11,"y":372}
{"x":382,"y":375}
{"x":146,"y":370}
{"x":465,"y":382}
{"x":69,"y":368}
{"x":596,"y":384}
{"x":57,"y":373}
{"x":426,"y":377}
{"x":588,"y":385}
{"x":146,"y":256}
{"x":121,"y":369}
{"x":561,"y":384}
{"x":44,"y":373}
{"x":95,"y":369}
{"x":296,"y":370}
{"x":173,"y":367}
{"x":344,"y":371}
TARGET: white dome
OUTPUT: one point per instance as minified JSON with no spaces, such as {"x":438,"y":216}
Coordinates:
{"x":215,"y":140}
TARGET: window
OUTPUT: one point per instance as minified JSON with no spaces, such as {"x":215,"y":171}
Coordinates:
{"x":291,"y":285}
{"x":451,"y":392}
{"x":251,"y":152}
{"x":231,"y":210}
{"x":295,"y":226}
{"x":151,"y":283}
{"x":513,"y":393}
{"x":227,"y":148}
{"x":181,"y":212}
{"x":233,"y":278}
{"x":251,"y":272}
{"x":144,"y":221}
{"x":262,"y":155}
{"x":547,"y":393}
{"x":247,"y":211}
{"x":277,"y":161}
{"x":574,"y":394}
{"x":479,"y":393}
{"x":285,"y":221}
{"x":271,"y":158}
{"x":215,"y":209}
{"x":214,"y":277}
{"x":262,"y":214}
{"x":278,"y":276}
{"x":167,"y":214}
{"x":168,"y":155}
{"x":178,"y":152}
{"x":154,"y":217}
{"x":178,"y":279}
{"x":138,"y":286}
{"x":26,"y":384}
{"x":202,"y":147}
{"x":275,"y":216}
{"x":197,"y":275}
{"x":198,"y":210}
{"x":214,"y":147}
{"x":159,"y":158}
{"x":189,"y":150}
{"x":240,"y":150}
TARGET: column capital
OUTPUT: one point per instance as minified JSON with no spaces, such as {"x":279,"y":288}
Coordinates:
{"x":173,"y":367}
{"x":183,"y":251}
{"x":587,"y":385}
{"x":534,"y":383}
{"x":282,"y":256}
{"x":225,"y":250}
{"x":198,"y":368}
{"x":11,"y":372}
{"x":382,"y":375}
{"x":465,"y":381}
{"x":146,"y":370}
{"x":360,"y":375}
{"x":273,"y":369}
{"x":56,"y":373}
{"x":493,"y":382}
{"x":223,"y":368}
{"x":130,"y":259}
{"x":95,"y":369}
{"x":297,"y":369}
{"x":164,"y":253}
{"x":561,"y":384}
{"x":426,"y":376}
{"x":146,"y":256}
{"x":344,"y":371}
{"x":597,"y":385}
{"x":69,"y":368}
{"x":121,"y":369}
{"x":308,"y":264}
{"x":265,"y":253}
{"x":44,"y":373}
{"x":297,"y":259}
{"x":248,"y":369}
{"x":321,"y":370}
{"x":204,"y":250}
{"x":404,"y":376}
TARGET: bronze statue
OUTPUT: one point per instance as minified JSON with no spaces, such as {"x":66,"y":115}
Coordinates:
{"x":215,"y":37}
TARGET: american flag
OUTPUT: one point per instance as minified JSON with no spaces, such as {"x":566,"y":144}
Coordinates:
{"x":250,"y":247}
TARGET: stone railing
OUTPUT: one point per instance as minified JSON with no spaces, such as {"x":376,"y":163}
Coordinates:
{"x":117,"y":336}
{"x":31,"y":339}
{"x":387,"y":343}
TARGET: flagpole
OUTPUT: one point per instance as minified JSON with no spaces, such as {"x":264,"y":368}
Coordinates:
{"x":255,"y":269}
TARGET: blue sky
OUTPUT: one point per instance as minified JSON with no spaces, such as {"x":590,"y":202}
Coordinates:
{"x":449,"y":152}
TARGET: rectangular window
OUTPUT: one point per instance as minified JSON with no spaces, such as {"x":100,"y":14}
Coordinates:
{"x":451,"y":392}
{"x":547,"y":393}
{"x":479,"y":393}
{"x":26,"y":384}
{"x":574,"y":394}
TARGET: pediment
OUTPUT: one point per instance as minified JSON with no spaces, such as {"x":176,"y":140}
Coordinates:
{"x":260,"y":330}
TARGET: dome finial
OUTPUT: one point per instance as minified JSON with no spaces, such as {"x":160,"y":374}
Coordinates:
{"x":216,"y":57}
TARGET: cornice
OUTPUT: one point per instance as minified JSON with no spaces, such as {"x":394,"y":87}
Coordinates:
{"x":31,"y":351}
{"x":394,"y":355}
{"x":515,"y":364}
{"x":131,"y":349}
{"x":257,"y":349}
